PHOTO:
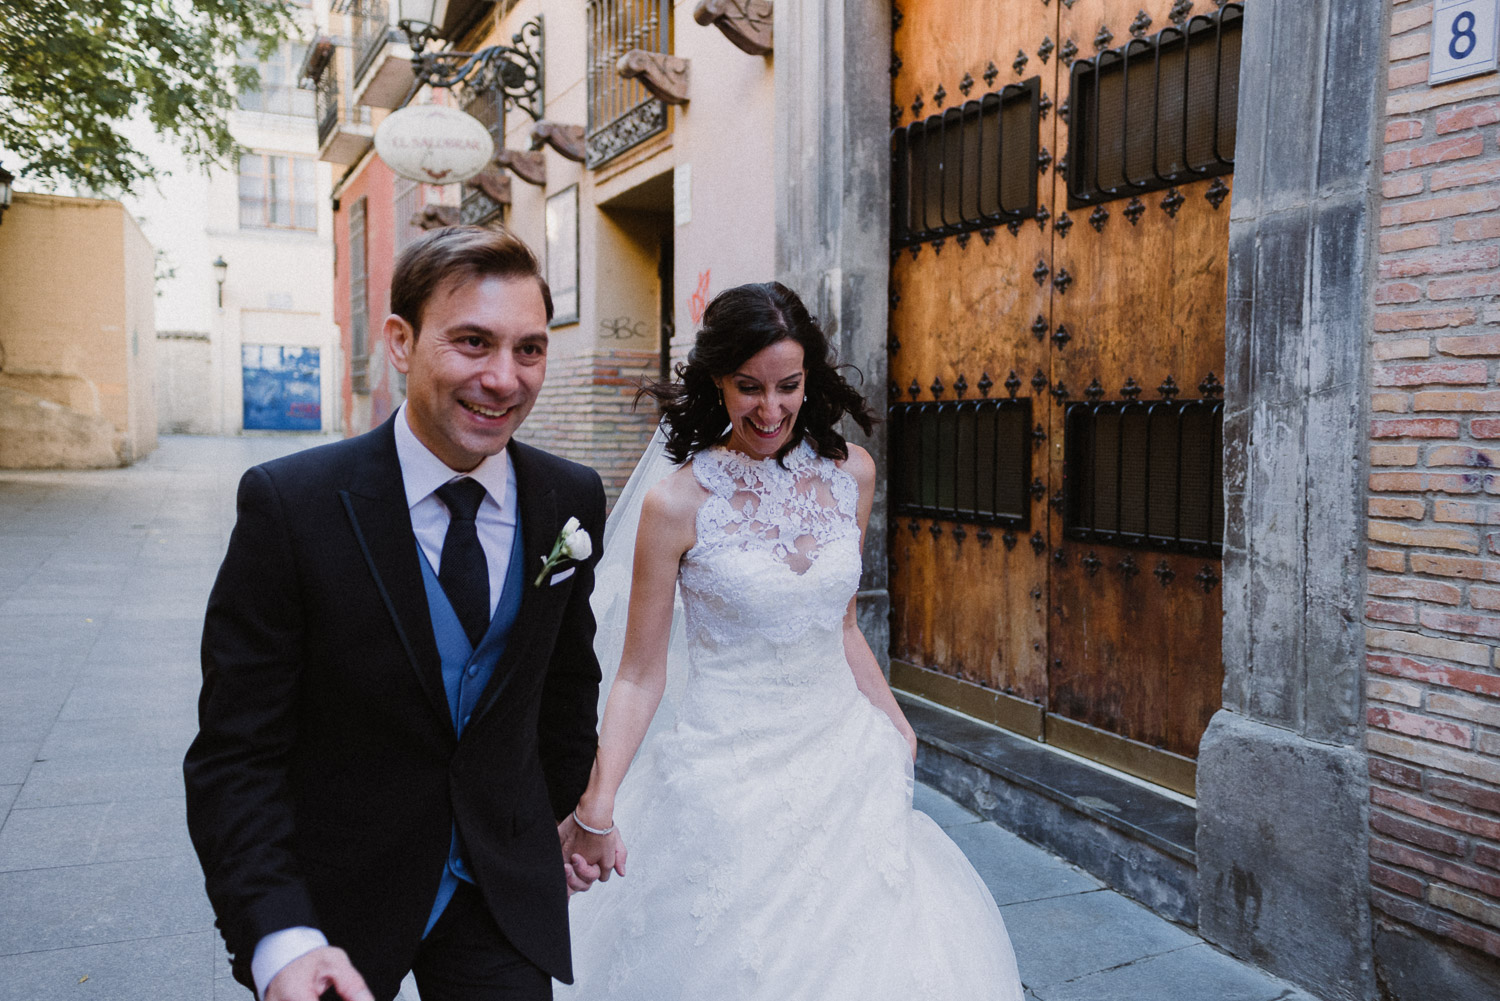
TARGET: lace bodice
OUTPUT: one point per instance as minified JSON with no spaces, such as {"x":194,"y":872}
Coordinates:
{"x":777,"y":552}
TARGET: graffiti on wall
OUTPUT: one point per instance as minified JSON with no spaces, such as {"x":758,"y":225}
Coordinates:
{"x":698,"y":301}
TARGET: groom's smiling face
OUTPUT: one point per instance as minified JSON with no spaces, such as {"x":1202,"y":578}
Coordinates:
{"x":474,"y":368}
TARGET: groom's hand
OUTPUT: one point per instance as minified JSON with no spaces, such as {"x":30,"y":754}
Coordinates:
{"x":312,"y":974}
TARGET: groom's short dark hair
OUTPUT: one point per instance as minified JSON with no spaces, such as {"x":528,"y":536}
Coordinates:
{"x":459,"y":253}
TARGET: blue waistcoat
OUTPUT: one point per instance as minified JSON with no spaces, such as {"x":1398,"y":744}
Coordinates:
{"x":466,"y":672}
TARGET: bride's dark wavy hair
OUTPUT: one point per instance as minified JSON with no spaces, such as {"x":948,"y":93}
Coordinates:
{"x":738,"y":324}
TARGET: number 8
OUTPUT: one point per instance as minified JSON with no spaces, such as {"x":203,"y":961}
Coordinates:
{"x":1464,"y":34}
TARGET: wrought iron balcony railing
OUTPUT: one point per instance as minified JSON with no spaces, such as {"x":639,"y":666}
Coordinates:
{"x":622,"y":113}
{"x":369,"y":29}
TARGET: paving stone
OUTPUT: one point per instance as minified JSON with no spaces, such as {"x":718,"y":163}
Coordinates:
{"x":107,"y":902}
{"x":1196,"y":973}
{"x":155,"y":738}
{"x":173,"y":968}
{"x":101,"y":701}
{"x":1062,"y":938}
{"x":944,"y":810}
{"x":1016,"y":870}
{"x":121,"y":831}
{"x":16,"y":757}
{"x":7,"y":797}
{"x":73,"y":781}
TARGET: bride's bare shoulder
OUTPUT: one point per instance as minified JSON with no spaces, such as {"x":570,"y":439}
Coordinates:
{"x":860,"y":466}
{"x":675,"y":499}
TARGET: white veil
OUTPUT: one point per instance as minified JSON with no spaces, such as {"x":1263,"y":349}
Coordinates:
{"x":612,"y":576}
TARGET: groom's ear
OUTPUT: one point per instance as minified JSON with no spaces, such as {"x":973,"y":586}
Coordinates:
{"x":400,"y":340}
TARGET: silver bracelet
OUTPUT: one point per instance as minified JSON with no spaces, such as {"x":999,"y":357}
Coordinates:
{"x":592,"y":830}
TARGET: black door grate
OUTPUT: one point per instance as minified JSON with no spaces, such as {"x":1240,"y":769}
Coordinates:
{"x":962,"y":460}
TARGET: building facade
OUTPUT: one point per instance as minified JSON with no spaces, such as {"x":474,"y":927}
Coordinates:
{"x":1178,"y":312}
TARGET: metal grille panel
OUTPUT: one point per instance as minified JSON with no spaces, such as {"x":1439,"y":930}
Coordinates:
{"x":621,"y":113}
{"x":1155,"y":112}
{"x":965,"y":460}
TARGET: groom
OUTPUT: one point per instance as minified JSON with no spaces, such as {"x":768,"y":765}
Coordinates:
{"x":395,"y":713}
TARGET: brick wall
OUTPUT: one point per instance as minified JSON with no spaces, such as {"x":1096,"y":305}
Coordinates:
{"x":585,"y":412}
{"x":1434,"y":526}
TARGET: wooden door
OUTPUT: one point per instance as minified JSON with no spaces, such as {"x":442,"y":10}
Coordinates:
{"x":1056,"y":334}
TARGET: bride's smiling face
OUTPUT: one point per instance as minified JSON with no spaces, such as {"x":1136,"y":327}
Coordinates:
{"x":763,"y":396}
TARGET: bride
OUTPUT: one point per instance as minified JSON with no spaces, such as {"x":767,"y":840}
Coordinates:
{"x":774,"y":852}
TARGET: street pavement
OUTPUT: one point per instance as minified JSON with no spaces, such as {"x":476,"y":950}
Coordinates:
{"x":103,"y":579}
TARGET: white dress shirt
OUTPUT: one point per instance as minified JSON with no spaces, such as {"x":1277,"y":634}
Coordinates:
{"x":422,"y":473}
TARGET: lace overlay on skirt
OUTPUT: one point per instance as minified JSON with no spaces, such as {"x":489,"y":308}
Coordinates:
{"x":774,"y":851}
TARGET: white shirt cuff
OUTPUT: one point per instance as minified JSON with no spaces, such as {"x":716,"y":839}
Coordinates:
{"x":279,"y":948}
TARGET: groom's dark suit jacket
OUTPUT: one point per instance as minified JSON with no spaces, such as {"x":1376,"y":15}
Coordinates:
{"x":326,"y":779}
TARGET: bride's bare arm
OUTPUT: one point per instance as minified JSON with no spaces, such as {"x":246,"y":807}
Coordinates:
{"x":666,"y":532}
{"x":867,"y":673}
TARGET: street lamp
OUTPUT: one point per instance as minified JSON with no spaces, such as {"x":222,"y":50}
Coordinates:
{"x":221,"y":271}
{"x":6,"y":177}
{"x":515,"y":69}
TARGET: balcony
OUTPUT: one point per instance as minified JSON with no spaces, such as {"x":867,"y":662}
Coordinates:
{"x":344,"y":130}
{"x":381,"y":61}
{"x":622,"y":113}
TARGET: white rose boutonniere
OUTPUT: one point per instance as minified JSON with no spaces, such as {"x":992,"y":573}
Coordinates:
{"x":573,"y":543}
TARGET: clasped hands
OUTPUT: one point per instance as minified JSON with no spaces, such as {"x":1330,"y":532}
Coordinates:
{"x":588,"y":858}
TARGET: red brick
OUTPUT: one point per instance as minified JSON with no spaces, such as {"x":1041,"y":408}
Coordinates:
{"x":1414,"y":427}
{"x":1440,"y":262}
{"x":1396,"y":534}
{"x":1385,"y":559}
{"x":1397,"y":507}
{"x":1391,"y":403}
{"x":1440,"y":207}
{"x":1433,"y":756}
{"x":1465,"y":230}
{"x":1410,"y":347}
{"x":1414,"y":913}
{"x":1442,"y":373}
{"x":1465,"y":513}
{"x":1465,"y":174}
{"x":1395,"y":773}
{"x":1385,"y":611}
{"x":1464,"y":287}
{"x":1398,"y":666}
{"x":1429,"y":319}
{"x":1480,"y":344}
{"x":1396,"y":880}
{"x":1485,"y":427}
{"x":1403,"y":21}
{"x":1403,"y":186}
{"x":1469,"y":117}
{"x":1446,"y":400}
{"x":1400,"y":131}
{"x":1465,"y":904}
{"x":1416,"y":834}
{"x":1412,"y":587}
{"x":1487,"y":626}
{"x":1469,"y":793}
{"x":1465,"y":707}
{"x":1487,"y":598}
{"x":1397,"y":292}
{"x":1409,"y":239}
{"x":1462,"y":455}
{"x":1454,"y":820}
{"x":1451,"y":483}
{"x":1432,"y":865}
{"x":1487,"y":856}
{"x":1416,"y":725}
{"x":1457,"y":148}
{"x":1420,"y":645}
{"x":1404,"y":693}
{"x":1394,"y":455}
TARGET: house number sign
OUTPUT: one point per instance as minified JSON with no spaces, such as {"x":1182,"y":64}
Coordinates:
{"x":1465,"y":39}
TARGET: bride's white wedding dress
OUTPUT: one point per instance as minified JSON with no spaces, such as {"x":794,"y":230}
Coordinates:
{"x":773,"y":849}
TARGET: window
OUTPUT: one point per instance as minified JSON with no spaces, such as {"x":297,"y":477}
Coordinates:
{"x":970,"y":167}
{"x":486,"y":104}
{"x":1155,"y":112}
{"x":359,"y":306}
{"x":278,"y":93}
{"x":562,"y":254}
{"x":622,"y":113}
{"x":278,"y":192}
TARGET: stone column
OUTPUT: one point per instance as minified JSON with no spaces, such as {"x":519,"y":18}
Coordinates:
{"x":1282,"y":784}
{"x":833,"y":214}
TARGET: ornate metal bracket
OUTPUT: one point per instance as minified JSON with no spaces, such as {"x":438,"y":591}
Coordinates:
{"x":492,"y":184}
{"x":516,"y":70}
{"x":566,"y":139}
{"x":530,"y":167}
{"x":746,"y":23}
{"x":435,"y":216}
{"x":664,"y":75}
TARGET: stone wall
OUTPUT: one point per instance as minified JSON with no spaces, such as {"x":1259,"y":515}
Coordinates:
{"x":1433,"y":608}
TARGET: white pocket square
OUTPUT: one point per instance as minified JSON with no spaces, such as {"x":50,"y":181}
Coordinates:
{"x":562,"y":575}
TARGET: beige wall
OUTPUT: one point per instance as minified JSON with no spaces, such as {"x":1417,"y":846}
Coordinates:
{"x":77,"y":316}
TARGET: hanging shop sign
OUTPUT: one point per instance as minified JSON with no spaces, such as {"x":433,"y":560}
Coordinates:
{"x":434,"y":144}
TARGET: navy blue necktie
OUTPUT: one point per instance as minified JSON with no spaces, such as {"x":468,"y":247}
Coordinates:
{"x":463,"y":571}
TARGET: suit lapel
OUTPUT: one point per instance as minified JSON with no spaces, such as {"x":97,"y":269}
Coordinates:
{"x":376,"y":503}
{"x":537,"y":500}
